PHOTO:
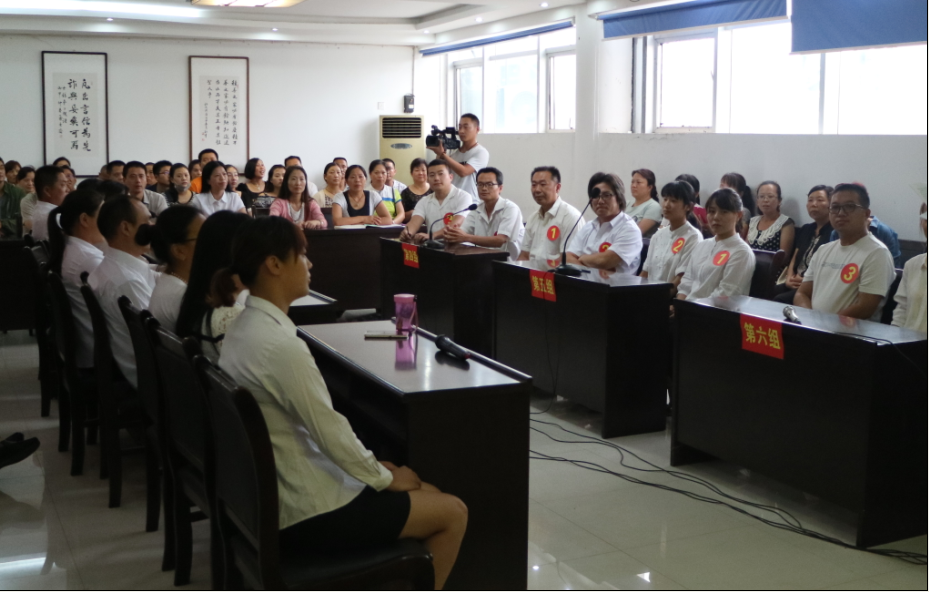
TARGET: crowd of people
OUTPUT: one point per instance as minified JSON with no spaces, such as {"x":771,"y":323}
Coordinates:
{"x":220,"y":255}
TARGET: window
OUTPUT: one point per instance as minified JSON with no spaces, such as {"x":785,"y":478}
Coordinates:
{"x":562,"y":76}
{"x":470,"y":83}
{"x":513,"y":90}
{"x":687,"y":83}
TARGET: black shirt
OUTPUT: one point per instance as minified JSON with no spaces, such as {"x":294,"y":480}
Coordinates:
{"x":808,"y":242}
{"x":410,"y":199}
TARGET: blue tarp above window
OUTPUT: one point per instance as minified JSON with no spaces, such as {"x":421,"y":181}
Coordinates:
{"x":497,"y":39}
{"x":691,"y":15}
{"x":825,"y":25}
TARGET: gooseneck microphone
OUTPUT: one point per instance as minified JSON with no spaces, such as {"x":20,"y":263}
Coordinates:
{"x":791,"y":315}
{"x":451,"y":348}
{"x":434,"y":244}
{"x":564,"y":268}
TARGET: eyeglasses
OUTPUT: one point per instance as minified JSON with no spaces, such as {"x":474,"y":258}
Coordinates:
{"x":486,"y":185}
{"x":848,"y":208}
{"x":603,"y":196}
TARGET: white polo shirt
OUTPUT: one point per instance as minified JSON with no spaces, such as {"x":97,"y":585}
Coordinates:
{"x":670,"y":251}
{"x":620,"y":235}
{"x":478,"y":157}
{"x":40,"y":219}
{"x":80,"y":256}
{"x":209,"y":205}
{"x":165,"y":304}
{"x":546,"y":233}
{"x":506,"y":220}
{"x":719,"y":268}
{"x":430,"y":210}
{"x":839,"y":273}
{"x":121,"y":274}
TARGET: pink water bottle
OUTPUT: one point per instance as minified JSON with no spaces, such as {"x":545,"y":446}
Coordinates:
{"x":405,"y":309}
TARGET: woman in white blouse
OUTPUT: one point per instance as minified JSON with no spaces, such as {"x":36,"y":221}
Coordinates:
{"x":174,"y":239}
{"x":771,"y":231}
{"x":334,"y":493}
{"x":216,"y":197}
{"x":671,"y":247}
{"x":357,"y":205}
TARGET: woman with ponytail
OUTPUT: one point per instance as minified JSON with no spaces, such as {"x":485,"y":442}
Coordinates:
{"x":76,"y":246}
{"x":645,"y":209}
{"x":334,"y":494}
{"x":202,"y":315}
{"x":737,"y":183}
{"x":174,"y":238}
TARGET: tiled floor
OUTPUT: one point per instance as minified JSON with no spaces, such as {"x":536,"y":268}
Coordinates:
{"x":588,"y":531}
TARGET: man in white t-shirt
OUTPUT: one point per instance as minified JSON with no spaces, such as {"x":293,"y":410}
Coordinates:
{"x":51,"y":187}
{"x":547,"y":228}
{"x":467,"y":160}
{"x":850,"y":276}
{"x":446,"y":204}
{"x":496,"y":224}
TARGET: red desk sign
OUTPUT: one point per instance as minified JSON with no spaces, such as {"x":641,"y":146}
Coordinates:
{"x":410,"y":255}
{"x":543,"y":285}
{"x":762,"y":336}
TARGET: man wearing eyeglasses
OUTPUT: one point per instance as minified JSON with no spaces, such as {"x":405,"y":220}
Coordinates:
{"x":613,"y":241}
{"x":496,"y":224}
{"x":851,"y":276}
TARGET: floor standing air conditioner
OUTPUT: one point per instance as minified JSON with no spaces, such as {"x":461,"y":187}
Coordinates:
{"x":403,"y":140}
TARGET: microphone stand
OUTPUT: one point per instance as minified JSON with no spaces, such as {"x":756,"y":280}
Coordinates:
{"x":564,"y":268}
{"x":439,"y":245}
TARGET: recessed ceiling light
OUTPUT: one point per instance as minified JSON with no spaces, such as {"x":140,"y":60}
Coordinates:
{"x":479,"y":19}
{"x":544,"y":5}
{"x":274,"y":29}
{"x":109,"y":20}
{"x":426,"y":31}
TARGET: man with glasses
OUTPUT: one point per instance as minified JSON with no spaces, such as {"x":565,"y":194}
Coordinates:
{"x":467,"y":160}
{"x":547,"y":229}
{"x":496,"y":224}
{"x":162,"y":172}
{"x":851,"y":276}
{"x":612,"y":242}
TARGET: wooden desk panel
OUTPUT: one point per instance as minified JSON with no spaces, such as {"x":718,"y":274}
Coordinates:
{"x":314,"y":309}
{"x":347,"y":264}
{"x":463,"y":428}
{"x":17,"y":287}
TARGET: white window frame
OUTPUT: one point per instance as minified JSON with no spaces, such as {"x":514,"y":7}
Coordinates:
{"x":455,"y":70}
{"x":548,"y":56}
{"x":655,"y":46}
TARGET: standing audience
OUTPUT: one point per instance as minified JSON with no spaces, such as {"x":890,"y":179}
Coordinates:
{"x":174,"y":240}
{"x":471,"y":157}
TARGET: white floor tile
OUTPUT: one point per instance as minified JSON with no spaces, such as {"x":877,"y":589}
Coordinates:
{"x":553,"y":538}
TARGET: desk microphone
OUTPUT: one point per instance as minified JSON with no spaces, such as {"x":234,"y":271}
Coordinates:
{"x":791,"y":316}
{"x":434,"y":244}
{"x":564,"y":268}
{"x":451,"y":348}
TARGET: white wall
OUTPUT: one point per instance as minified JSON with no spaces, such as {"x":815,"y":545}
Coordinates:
{"x":316,"y":101}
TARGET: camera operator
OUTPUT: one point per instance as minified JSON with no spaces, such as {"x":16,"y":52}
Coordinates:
{"x":467,"y":160}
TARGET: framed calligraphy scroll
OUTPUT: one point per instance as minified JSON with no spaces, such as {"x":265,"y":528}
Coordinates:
{"x":219,"y":108}
{"x":75,"y":112}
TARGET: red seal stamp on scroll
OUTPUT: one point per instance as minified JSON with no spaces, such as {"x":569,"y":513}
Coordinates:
{"x":605,"y":247}
{"x":554,"y":233}
{"x":850,"y":273}
{"x":720,"y":259}
{"x":678,"y":245}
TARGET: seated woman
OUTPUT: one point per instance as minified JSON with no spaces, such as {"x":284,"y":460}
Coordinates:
{"x":911,"y":295}
{"x":356,"y":205}
{"x":771,"y":231}
{"x":332,"y":174}
{"x":645,"y":211}
{"x":196,"y":169}
{"x":612,"y":241}
{"x":180,"y":193}
{"x":335,"y":495}
{"x":390,"y":196}
{"x":174,"y":239}
{"x":671,"y":247}
{"x":216,"y":197}
{"x":25,"y":180}
{"x":723,"y":265}
{"x":699,"y":210}
{"x":275,"y":181}
{"x":295,"y":202}
{"x":809,"y":239}
{"x":201,"y":315}
{"x":254,"y":184}
{"x":232,"y":179}
{"x":737,"y":183}
{"x":419,"y":170}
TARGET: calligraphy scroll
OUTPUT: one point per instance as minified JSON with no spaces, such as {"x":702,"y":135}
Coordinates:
{"x":219,"y":108}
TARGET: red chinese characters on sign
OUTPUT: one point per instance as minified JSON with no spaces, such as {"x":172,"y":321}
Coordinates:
{"x":410,"y":255}
{"x":553,"y":233}
{"x":543,"y":285}
{"x":678,"y":245}
{"x":605,"y":247}
{"x":720,"y":258}
{"x":850,"y":273}
{"x":762,"y":336}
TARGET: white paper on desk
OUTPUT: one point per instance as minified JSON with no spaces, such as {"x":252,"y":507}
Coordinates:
{"x":385,"y":226}
{"x":351,"y":227}
{"x":468,"y":245}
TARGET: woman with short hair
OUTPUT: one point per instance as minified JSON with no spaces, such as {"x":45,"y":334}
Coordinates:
{"x":613,"y":241}
{"x":419,"y":171}
{"x":390,"y":196}
{"x":357,"y":205}
{"x":215,"y":196}
{"x":645,"y":209}
{"x":254,"y":184}
{"x":180,"y":193}
{"x":771,"y":231}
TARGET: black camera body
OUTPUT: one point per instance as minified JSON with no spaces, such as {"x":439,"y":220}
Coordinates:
{"x":447,"y":137}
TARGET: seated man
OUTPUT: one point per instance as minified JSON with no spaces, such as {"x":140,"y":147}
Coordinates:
{"x":911,"y":295}
{"x":852,"y":275}
{"x":496,"y":224}
{"x":612,"y":242}
{"x":548,"y":228}
{"x":135,"y":176}
{"x":447,"y":203}
{"x":10,"y":196}
{"x":886,"y":235}
{"x":123,"y":272}
{"x":51,"y":188}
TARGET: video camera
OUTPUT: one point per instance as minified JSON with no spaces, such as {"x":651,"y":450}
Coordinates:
{"x":447,"y":137}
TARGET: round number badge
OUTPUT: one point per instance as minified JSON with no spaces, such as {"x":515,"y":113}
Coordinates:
{"x":720,"y":259}
{"x":553,"y":233}
{"x":850,"y":273}
{"x":605,"y":247}
{"x":678,"y":245}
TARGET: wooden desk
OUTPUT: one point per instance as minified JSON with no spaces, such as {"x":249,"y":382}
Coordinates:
{"x":347,"y":264}
{"x":17,"y":287}
{"x":314,"y":309}
{"x":454,"y":287}
{"x":840,"y":417}
{"x":465,"y":430}
{"x":603,"y":343}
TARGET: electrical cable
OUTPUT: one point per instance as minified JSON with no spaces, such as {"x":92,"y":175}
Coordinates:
{"x":790,"y":523}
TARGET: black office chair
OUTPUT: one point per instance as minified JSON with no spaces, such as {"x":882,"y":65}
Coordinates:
{"x":37,"y":258}
{"x":78,"y":394}
{"x":645,"y":244}
{"x":247,"y":512}
{"x":768,"y":267}
{"x":150,"y":395}
{"x":117,"y":401}
{"x":188,"y":446}
{"x":887,"y":314}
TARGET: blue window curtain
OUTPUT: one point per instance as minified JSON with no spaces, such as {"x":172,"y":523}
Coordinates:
{"x":497,"y":38}
{"x":691,"y":15}
{"x":829,"y":25}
